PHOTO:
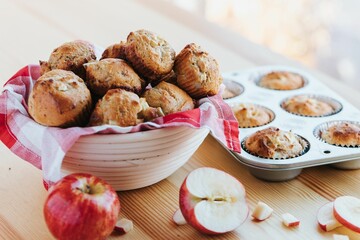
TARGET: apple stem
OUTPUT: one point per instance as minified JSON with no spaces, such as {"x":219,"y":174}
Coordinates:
{"x":85,"y":189}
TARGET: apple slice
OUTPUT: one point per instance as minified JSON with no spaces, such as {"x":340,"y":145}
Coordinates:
{"x":326,"y":219}
{"x":289,"y":220}
{"x":347,"y":212}
{"x":178,"y":218}
{"x":340,"y":237}
{"x":124,"y":225}
{"x":213,"y":201}
{"x":262,"y":211}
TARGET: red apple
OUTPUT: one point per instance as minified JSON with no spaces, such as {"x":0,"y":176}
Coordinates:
{"x":326,"y":219}
{"x":347,"y":212}
{"x":289,"y":220}
{"x":213,"y":201}
{"x":81,"y":206}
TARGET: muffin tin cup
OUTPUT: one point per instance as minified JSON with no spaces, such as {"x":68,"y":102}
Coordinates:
{"x":232,"y":89}
{"x":336,"y":105}
{"x":319,"y":153}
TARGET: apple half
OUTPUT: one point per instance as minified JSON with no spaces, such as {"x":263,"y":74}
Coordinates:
{"x":347,"y":212}
{"x":212,"y":201}
{"x":326,"y":219}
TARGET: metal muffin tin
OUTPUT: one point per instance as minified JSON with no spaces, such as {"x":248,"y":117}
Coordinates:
{"x":319,"y":153}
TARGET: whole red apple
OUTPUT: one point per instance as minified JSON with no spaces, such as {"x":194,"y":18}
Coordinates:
{"x":81,"y":206}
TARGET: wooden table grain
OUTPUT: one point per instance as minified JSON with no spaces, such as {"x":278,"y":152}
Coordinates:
{"x":29,"y":32}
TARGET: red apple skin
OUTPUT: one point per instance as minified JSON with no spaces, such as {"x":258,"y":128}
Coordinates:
{"x":187,"y":206}
{"x":72,"y":214}
{"x":294,"y":224}
{"x":345,"y":223}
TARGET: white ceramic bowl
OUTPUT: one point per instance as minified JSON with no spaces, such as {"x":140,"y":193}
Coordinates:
{"x":134,"y":160}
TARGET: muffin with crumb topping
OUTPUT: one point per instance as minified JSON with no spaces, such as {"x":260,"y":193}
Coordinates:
{"x":251,"y":115}
{"x":275,"y":143}
{"x":112,"y":73}
{"x":60,"y":98}
{"x":116,"y":50}
{"x":281,"y":80}
{"x":169,"y":98}
{"x":70,"y":56}
{"x":197,"y":72}
{"x":307,"y":106}
{"x":149,"y":54}
{"x":342,"y":133}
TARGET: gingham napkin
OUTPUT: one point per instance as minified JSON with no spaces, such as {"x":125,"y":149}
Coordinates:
{"x":45,"y":147}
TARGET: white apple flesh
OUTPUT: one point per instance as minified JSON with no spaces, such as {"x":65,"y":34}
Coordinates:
{"x":289,"y":220}
{"x":262,"y":211}
{"x":326,"y":219}
{"x":123,"y":226}
{"x":347,"y":212}
{"x":340,"y":237}
{"x":212,"y":201}
{"x":178,"y":218}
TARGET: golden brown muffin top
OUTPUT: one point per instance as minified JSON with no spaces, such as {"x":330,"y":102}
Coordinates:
{"x":58,"y":97}
{"x":70,"y":56}
{"x":169,"y":98}
{"x":116,"y":50}
{"x":197,"y":72}
{"x":251,"y":115}
{"x":281,"y":80}
{"x":344,"y":134}
{"x":149,"y":54}
{"x":274,"y":143}
{"x":117,"y":107}
{"x":112,"y":73}
{"x":307,"y":106}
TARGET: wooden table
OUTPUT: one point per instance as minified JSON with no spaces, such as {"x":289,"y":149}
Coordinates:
{"x":31,"y":30}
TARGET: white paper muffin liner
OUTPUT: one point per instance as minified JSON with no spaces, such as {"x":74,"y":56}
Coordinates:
{"x":335,"y":104}
{"x":303,"y":141}
{"x":325,"y":126}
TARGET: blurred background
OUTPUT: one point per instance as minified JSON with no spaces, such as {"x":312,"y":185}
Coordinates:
{"x":322,"y":34}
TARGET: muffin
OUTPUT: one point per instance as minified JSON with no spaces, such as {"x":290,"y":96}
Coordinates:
{"x":342,"y":134}
{"x":274,"y":143}
{"x":70,"y":56}
{"x":197,"y":72}
{"x":232,"y":89}
{"x":60,"y":98}
{"x":112,"y":73}
{"x":251,"y":115}
{"x":117,"y":107}
{"x":115,"y":51}
{"x":281,"y":80}
{"x":149,"y":54}
{"x":307,"y":106}
{"x":169,"y":98}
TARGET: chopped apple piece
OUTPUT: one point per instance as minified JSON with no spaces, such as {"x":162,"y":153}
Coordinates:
{"x":212,"y":201}
{"x":178,"y":218}
{"x":262,"y":211}
{"x":124,"y":226}
{"x":347,"y":212}
{"x":340,"y":237}
{"x":326,"y":219}
{"x":289,"y":220}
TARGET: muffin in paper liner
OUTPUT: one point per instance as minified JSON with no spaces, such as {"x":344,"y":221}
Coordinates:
{"x":339,"y":133}
{"x":311,"y":105}
{"x":266,"y":148}
{"x":251,"y":115}
{"x":280,"y":80}
{"x":232,"y":89}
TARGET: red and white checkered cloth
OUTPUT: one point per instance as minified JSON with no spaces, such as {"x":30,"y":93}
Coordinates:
{"x":45,"y":147}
